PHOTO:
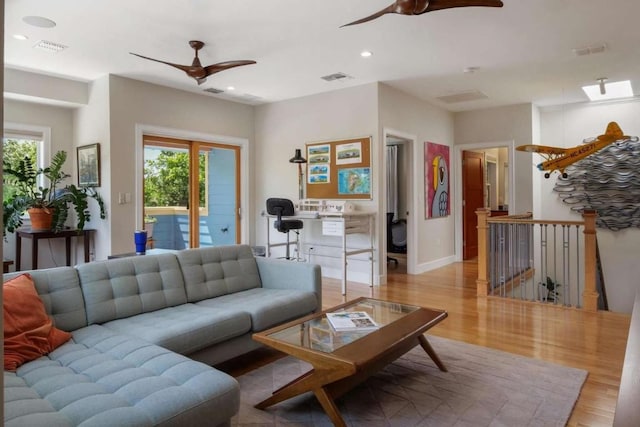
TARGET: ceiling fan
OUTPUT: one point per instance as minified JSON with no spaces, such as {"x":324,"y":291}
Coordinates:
{"x":418,"y":7}
{"x":196,"y":70}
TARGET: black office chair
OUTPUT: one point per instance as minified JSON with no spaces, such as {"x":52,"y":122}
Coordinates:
{"x":283,"y":208}
{"x":390,"y":239}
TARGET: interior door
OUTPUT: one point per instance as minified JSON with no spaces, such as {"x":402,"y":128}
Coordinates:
{"x":472,"y":200}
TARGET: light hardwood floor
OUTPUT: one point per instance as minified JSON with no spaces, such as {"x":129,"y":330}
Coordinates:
{"x":592,"y":341}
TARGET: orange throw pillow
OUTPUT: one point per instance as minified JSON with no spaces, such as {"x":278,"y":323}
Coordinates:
{"x":28,"y":330}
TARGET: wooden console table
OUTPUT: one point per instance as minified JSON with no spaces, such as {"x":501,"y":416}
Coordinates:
{"x":6,"y":263}
{"x":37,"y":235}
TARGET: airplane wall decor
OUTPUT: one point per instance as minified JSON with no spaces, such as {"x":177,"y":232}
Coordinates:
{"x":557,"y":158}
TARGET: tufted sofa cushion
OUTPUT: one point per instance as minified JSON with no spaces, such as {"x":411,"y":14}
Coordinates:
{"x":216,"y":271}
{"x":126,"y":287}
{"x":267,"y":307}
{"x":186,"y":328}
{"x":104,"y":378}
{"x":59,"y":290}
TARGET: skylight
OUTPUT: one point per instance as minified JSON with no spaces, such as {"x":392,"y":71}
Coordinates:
{"x":613,"y":90}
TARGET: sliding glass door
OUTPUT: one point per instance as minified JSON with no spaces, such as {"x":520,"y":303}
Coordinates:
{"x":191,"y":193}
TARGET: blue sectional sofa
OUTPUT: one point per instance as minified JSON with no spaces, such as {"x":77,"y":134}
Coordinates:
{"x":145,"y":332}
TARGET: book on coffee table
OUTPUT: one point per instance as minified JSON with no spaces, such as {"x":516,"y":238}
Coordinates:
{"x":351,"y":321}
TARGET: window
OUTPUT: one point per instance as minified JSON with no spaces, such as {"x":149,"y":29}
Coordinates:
{"x":16,"y":146}
{"x":181,"y":174}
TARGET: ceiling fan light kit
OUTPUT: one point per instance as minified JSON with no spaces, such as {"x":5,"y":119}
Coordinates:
{"x":196,"y":70}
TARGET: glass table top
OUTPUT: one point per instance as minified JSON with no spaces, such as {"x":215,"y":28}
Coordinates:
{"x":318,"y":334}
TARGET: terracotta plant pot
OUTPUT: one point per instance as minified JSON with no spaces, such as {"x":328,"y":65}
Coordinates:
{"x":41,"y":218}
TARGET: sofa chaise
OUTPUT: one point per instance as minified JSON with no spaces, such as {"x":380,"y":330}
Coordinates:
{"x":146,"y":331}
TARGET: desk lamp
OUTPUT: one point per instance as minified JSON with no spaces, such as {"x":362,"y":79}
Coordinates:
{"x":299,"y":160}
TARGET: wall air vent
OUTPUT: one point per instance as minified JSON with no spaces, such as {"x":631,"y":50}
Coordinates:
{"x":469,"y":95}
{"x":50,"y":47}
{"x":213,"y":90}
{"x":336,"y":76}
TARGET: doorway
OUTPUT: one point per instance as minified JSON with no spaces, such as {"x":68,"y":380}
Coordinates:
{"x":484,"y":180}
{"x":472,"y":200}
{"x":191,"y":193}
{"x":396,"y":222}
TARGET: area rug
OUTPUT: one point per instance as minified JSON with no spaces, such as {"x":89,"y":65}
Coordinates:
{"x":483,"y":387}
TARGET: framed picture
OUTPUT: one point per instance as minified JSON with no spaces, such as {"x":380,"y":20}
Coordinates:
{"x":436,"y":180}
{"x":339,"y":169}
{"x":89,"y":165}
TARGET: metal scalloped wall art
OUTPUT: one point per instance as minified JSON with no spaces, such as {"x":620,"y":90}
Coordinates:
{"x":608,"y":182}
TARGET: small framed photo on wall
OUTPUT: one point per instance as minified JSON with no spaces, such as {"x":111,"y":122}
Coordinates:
{"x":89,"y":165}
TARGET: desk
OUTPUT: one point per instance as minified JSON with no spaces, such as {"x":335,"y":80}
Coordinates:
{"x":37,"y":235}
{"x":339,"y":225}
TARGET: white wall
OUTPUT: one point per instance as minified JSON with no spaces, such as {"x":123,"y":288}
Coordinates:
{"x":132,"y":103}
{"x":433,"y":243}
{"x":511,"y":123}
{"x":60,"y":121}
{"x":568,"y":127}
{"x":27,"y":85}
{"x":91,"y":125}
{"x":282,"y":127}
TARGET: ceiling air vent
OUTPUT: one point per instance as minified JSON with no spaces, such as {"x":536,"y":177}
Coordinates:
{"x":469,"y":95}
{"x":336,"y":76}
{"x":213,"y":90}
{"x":250,"y":98}
{"x":588,"y":50}
{"x":50,"y":47}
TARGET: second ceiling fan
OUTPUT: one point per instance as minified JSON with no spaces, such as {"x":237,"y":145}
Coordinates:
{"x":418,"y":7}
{"x":196,"y":70}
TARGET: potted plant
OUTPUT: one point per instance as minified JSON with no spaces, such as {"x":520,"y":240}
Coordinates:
{"x":52,"y":201}
{"x":149,"y":222}
{"x":551,"y":290}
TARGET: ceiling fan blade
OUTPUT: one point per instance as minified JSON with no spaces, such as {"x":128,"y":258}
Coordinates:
{"x":450,"y":4}
{"x":221,"y":66}
{"x":196,"y":70}
{"x":185,"y":68}
{"x":418,"y":7}
{"x":389,"y":9}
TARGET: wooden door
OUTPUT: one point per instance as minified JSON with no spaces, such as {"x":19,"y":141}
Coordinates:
{"x":472,"y":199}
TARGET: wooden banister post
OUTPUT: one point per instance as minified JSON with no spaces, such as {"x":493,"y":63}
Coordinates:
{"x":482,"y":283}
{"x":590,"y":295}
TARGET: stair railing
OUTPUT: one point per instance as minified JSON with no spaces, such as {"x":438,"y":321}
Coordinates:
{"x":538,"y":260}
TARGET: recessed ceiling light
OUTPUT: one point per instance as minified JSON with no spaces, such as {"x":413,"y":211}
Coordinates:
{"x":231,"y":88}
{"x":613,"y":90}
{"x":20,"y":37}
{"x":366,"y":53}
{"x":39,"y":21}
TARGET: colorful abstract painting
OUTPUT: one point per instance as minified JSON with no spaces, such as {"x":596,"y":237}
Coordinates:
{"x":436,"y":180}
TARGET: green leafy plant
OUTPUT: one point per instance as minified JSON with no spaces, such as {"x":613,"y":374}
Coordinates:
{"x":54,"y":197}
{"x":150,"y":219}
{"x":553,"y":294}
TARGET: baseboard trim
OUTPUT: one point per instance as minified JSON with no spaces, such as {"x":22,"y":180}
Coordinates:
{"x":432,"y":265}
{"x":352,"y":276}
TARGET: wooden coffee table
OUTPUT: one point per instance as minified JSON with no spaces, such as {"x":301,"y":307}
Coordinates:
{"x":342,"y":360}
